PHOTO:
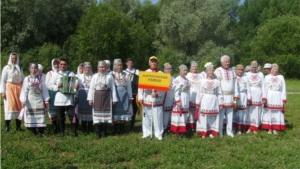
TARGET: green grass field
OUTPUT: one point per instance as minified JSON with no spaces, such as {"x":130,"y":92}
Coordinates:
{"x":22,"y":150}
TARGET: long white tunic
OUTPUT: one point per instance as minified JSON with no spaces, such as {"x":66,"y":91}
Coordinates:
{"x":228,"y":85}
{"x":257,"y":87}
{"x":241,"y":117}
{"x":146,"y":97}
{"x":60,"y":98}
{"x":34,"y":93}
{"x":275,"y":90}
{"x":209,"y":98}
{"x":180,"y":113}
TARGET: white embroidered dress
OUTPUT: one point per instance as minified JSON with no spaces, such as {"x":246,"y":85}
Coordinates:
{"x":257,"y":87}
{"x":180,"y":113}
{"x":34,"y":93}
{"x":209,"y":98}
{"x":242,"y":116}
{"x":273,"y":119}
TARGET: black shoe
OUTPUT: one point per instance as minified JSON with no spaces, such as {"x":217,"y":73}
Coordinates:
{"x":18,"y":125}
{"x":116,"y":129}
{"x":90,"y":126}
{"x":33,"y":130}
{"x":83,"y":126}
{"x":41,"y":131}
{"x":6,"y":130}
{"x":121,"y":128}
{"x":97,"y":128}
{"x":62,"y":134}
{"x":54,"y":123}
{"x":103,"y":129}
{"x":62,"y":127}
{"x":74,"y":134}
{"x":103,"y":135}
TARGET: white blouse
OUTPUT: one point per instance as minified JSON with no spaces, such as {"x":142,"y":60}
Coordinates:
{"x":10,"y":74}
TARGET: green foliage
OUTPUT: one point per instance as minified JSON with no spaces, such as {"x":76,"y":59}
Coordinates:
{"x":176,"y":31}
{"x":253,"y":15}
{"x":103,"y":33}
{"x":42,"y":55}
{"x":190,"y":27}
{"x":27,"y":23}
{"x":278,"y":41}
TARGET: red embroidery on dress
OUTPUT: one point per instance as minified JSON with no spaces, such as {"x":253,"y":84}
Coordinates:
{"x":227,"y":75}
{"x":274,"y":80}
{"x":195,"y":77}
{"x":254,"y":78}
{"x":210,"y":84}
{"x":240,"y":80}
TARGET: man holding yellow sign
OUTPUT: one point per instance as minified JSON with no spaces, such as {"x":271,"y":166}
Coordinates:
{"x":152,"y":86}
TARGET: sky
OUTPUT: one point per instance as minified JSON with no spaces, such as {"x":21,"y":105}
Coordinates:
{"x":153,"y":1}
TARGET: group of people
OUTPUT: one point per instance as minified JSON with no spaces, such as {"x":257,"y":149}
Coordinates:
{"x":201,"y":102}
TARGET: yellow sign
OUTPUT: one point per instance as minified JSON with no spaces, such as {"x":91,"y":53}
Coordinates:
{"x":154,"y":80}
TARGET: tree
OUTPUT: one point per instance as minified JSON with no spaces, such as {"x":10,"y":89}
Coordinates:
{"x":253,"y":14}
{"x":30,"y":23}
{"x":278,"y":41}
{"x":196,"y":28}
{"x":103,"y":33}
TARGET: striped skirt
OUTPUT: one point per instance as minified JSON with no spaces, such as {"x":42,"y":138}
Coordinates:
{"x":102,"y":107}
{"x":84,"y":109}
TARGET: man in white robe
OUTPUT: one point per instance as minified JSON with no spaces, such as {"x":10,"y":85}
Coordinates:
{"x":147,"y":98}
{"x":228,"y":82}
{"x":63,"y":102}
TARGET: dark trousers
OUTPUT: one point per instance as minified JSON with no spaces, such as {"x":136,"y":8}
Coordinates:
{"x":61,"y":112}
{"x":61,"y":118}
{"x":134,"y":107}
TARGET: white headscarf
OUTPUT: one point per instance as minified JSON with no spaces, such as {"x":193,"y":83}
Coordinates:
{"x":15,"y":65}
{"x":80,"y":65}
{"x":52,"y":63}
{"x":40,"y":67}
